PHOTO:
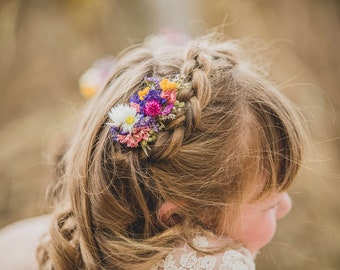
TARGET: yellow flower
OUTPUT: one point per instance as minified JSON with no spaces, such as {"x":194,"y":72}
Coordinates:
{"x":143,"y":93}
{"x":166,"y":85}
{"x":130,"y":120}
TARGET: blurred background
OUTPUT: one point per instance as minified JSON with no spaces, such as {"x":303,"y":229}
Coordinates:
{"x":46,"y":45}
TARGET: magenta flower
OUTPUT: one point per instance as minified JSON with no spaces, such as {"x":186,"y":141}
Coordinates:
{"x":153,"y":108}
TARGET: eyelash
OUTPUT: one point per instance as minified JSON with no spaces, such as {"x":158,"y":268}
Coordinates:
{"x":275,"y":205}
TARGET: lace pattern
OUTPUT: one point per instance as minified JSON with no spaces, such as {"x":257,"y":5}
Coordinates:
{"x":186,"y":258}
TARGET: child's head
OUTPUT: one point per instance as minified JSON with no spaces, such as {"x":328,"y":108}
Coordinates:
{"x":236,"y":141}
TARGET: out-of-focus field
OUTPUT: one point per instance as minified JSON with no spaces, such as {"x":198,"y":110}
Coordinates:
{"x":46,"y":45}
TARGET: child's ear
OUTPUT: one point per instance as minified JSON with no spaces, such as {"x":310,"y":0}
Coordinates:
{"x":166,"y":212}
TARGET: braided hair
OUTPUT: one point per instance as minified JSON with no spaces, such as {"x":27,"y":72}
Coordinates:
{"x":235,"y":128}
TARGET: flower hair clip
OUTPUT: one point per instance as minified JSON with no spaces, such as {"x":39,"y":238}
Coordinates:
{"x":137,"y":124}
{"x":96,"y":76}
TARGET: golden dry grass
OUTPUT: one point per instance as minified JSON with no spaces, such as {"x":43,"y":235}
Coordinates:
{"x":46,"y":45}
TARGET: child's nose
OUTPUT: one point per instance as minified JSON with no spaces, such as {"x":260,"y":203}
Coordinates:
{"x":284,"y":207}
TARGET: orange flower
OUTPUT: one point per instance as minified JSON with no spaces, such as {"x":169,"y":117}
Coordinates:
{"x":143,"y":93}
{"x":166,"y":85}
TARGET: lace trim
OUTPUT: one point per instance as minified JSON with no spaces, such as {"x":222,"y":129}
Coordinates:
{"x":189,"y":260}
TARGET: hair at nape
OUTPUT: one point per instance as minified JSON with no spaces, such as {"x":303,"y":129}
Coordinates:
{"x":235,"y":131}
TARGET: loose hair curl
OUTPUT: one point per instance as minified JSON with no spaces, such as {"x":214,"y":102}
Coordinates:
{"x":237,"y":130}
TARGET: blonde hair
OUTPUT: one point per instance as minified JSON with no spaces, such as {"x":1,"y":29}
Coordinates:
{"x":237,"y":131}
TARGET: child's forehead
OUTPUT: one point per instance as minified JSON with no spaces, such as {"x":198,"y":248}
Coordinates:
{"x":257,"y":191}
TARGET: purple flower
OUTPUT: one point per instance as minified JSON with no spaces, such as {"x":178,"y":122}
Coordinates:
{"x":154,"y":95}
{"x":146,"y":121}
{"x":135,"y":99}
{"x":114,"y":131}
{"x":167,"y":109}
{"x":152,"y":80}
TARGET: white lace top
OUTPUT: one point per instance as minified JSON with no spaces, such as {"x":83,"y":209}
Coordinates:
{"x":186,"y":258}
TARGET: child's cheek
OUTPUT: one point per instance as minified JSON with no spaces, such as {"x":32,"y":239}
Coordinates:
{"x":259,"y":230}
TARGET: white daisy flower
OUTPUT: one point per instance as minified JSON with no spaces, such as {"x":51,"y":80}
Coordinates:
{"x":124,"y":116}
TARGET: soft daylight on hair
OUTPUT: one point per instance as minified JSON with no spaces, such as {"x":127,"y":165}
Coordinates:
{"x":236,"y":131}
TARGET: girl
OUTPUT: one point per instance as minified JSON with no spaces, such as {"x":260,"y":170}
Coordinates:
{"x":181,"y":162}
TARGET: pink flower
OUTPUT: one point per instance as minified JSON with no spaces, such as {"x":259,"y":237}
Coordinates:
{"x":132,"y":140}
{"x":142,"y":134}
{"x":170,"y":95}
{"x":128,"y":140}
{"x":136,"y":106}
{"x":152,"y":108}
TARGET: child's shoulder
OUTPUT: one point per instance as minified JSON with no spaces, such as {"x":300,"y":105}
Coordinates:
{"x":185,"y":257}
